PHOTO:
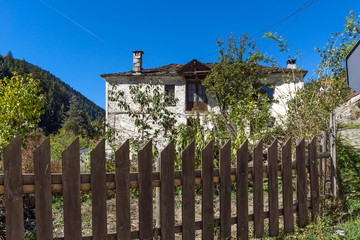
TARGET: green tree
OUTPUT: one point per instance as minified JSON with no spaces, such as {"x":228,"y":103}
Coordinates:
{"x":234,"y":84}
{"x":21,"y":107}
{"x":147,"y":106}
{"x":78,"y":120}
{"x":309,"y":108}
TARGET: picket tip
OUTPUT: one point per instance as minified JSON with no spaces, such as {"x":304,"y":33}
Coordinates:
{"x":169,"y":147}
{"x":124,"y":146}
{"x":15,"y":142}
{"x":99,"y":147}
{"x":189,"y":147}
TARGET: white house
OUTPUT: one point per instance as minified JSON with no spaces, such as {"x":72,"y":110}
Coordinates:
{"x":184,"y":81}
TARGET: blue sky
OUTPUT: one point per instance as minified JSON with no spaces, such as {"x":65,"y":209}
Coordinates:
{"x":78,"y":40}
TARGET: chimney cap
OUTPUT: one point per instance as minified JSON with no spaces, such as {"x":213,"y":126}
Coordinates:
{"x":291,"y":61}
{"x":138,"y":51}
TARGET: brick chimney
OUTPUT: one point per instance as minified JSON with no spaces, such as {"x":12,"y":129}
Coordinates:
{"x":137,"y":57}
{"x":291,"y":64}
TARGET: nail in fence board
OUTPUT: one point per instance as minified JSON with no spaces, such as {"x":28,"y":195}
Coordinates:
{"x":145,"y":159}
{"x":98,"y":190}
{"x":207,"y":209}
{"x":273,"y":190}
{"x":43,"y":198}
{"x":122,"y":183}
{"x":13,"y":190}
{"x":242,"y":197}
{"x":167,"y":212}
{"x":301,"y":188}
{"x":188,"y":192}
{"x":225,"y":190}
{"x":71,"y":191}
{"x":314,"y":180}
{"x":258,"y":192}
{"x":287,"y":187}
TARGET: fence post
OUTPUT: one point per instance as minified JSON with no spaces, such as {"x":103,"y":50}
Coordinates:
{"x":301,"y":187}
{"x":242,"y":195}
{"x":273,"y":189}
{"x":332,"y":139}
{"x":207,"y":184}
{"x":71,"y":191}
{"x":323,"y":148}
{"x":188,"y":192}
{"x":122,"y":184}
{"x":145,"y":159}
{"x":98,"y":190}
{"x":167,"y":212}
{"x":225,"y":190}
{"x":314,"y":180}
{"x":287,"y":187}
{"x":42,"y":181}
{"x":13,"y":182}
{"x":258,"y":192}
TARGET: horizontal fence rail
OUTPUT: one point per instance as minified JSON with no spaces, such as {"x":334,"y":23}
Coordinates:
{"x":267,"y":170}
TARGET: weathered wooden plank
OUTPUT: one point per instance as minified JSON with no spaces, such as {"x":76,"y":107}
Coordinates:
{"x":188,"y":192}
{"x":225,"y":190}
{"x":122,"y":169}
{"x":43,"y":198}
{"x":145,"y":159}
{"x":167,"y":212}
{"x":287,"y":187}
{"x":301,"y":188}
{"x":207,"y":207}
{"x":258,"y":192}
{"x":98,"y":191}
{"x":314,"y":180}
{"x":13,"y":182}
{"x":332,"y":140}
{"x":273,"y":190}
{"x":242,"y":198}
{"x":71,"y":191}
{"x":323,"y":144}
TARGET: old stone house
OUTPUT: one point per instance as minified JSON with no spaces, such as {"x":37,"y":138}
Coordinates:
{"x":184,"y":81}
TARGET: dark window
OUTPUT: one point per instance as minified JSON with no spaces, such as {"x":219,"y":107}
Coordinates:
{"x":195,"y":96}
{"x":170,"y":91}
{"x":269,"y":90}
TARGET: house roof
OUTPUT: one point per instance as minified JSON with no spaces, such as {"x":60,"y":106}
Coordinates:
{"x":176,"y":70}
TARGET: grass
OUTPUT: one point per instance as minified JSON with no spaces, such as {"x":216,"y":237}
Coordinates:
{"x":341,"y":216}
{"x":337,"y":225}
{"x":350,"y":126}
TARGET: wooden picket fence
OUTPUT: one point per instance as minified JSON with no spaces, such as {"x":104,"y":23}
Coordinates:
{"x":305,"y":168}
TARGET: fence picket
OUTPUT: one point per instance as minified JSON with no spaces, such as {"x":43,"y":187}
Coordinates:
{"x":43,"y":198}
{"x":207,"y":175}
{"x":225,"y":190}
{"x":314,"y":180}
{"x":258,"y":191}
{"x":273,"y":190}
{"x":242,"y":198}
{"x":287,"y":187}
{"x":71,"y":191}
{"x":145,"y":159}
{"x":122,"y":169}
{"x":301,"y":188}
{"x":13,"y":190}
{"x":98,"y":189}
{"x":13,"y":184}
{"x":167,"y":211}
{"x":188,"y":192}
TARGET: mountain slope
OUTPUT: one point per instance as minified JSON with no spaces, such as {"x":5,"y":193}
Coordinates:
{"x":57,"y":93}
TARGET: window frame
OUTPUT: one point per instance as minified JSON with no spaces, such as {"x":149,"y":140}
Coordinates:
{"x":168,"y":92}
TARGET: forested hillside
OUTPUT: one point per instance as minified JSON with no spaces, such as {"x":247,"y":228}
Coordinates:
{"x":57,"y":93}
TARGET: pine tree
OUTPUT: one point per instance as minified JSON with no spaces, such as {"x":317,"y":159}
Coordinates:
{"x":78,"y":120}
